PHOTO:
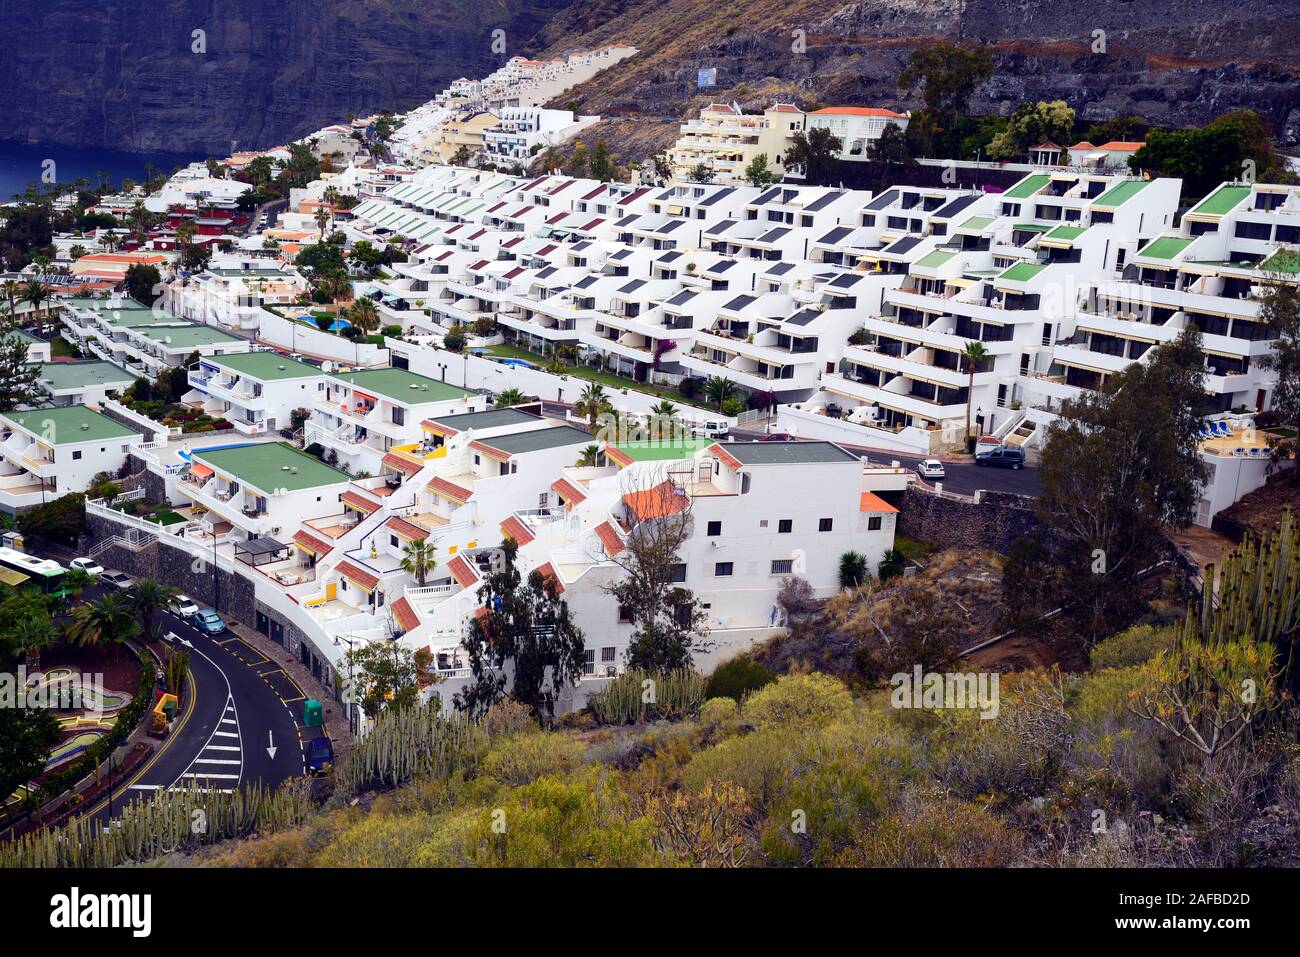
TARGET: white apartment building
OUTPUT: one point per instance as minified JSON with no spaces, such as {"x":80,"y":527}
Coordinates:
{"x":856,"y":127}
{"x":51,"y":452}
{"x":522,"y":131}
{"x":256,"y":392}
{"x":143,"y":339}
{"x":86,"y":382}
{"x":724,"y":140}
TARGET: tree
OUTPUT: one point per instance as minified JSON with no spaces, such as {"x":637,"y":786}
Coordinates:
{"x":149,"y":597}
{"x":62,"y":520}
{"x":577,"y":165}
{"x":593,"y":403}
{"x":757,"y":172}
{"x":1279,"y":307}
{"x":26,"y":736}
{"x":948,"y":75}
{"x":1119,"y":465}
{"x":891,"y":146}
{"x":454,"y":340}
{"x":418,"y":560}
{"x":601,"y":166}
{"x":509,"y":397}
{"x":814,"y":152}
{"x":30,"y":635}
{"x":322,"y":218}
{"x":700,"y":173}
{"x":665,"y":616}
{"x":526,"y":625}
{"x":589,"y":457}
{"x":382,"y":674}
{"x":143,"y":283}
{"x":1031,"y":124}
{"x":853,"y":569}
{"x":1217,"y":152}
{"x":108,"y":620}
{"x":973,"y":354}
{"x":20,"y":383}
{"x":364,"y":315}
{"x":76,"y":581}
{"x":718,"y":390}
{"x":36,"y":294}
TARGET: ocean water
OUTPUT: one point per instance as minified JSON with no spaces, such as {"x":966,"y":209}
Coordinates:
{"x":21,"y":163}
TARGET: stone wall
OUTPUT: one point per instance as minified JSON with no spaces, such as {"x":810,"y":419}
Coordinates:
{"x":992,"y":520}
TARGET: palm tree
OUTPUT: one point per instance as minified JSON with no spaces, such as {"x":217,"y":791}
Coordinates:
{"x":30,"y":635}
{"x":719,"y":390}
{"x":509,"y":397}
{"x":363,"y":315}
{"x":75,"y":582}
{"x":974,"y":353}
{"x":590,"y":456}
{"x":108,"y":620}
{"x":853,"y":569}
{"x":322,"y":219}
{"x":36,"y":293}
{"x":11,"y":292}
{"x":417,"y":558}
{"x":592,"y":403}
{"x":148,"y":598}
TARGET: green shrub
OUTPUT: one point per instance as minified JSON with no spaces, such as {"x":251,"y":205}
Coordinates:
{"x":737,"y":678}
{"x":718,"y":710}
{"x":1133,"y":646}
{"x":812,"y":699}
{"x":526,"y":757}
{"x":637,"y":695}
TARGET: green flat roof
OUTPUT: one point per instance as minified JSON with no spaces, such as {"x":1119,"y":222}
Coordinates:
{"x":266,"y":366}
{"x":934,"y":259}
{"x":1030,"y":228}
{"x":69,"y":425}
{"x":268,"y":466}
{"x":59,"y":376}
{"x":25,"y":336}
{"x":1222,"y":200}
{"x":1027,"y":186}
{"x":396,"y":384}
{"x":1164,"y":247}
{"x":1021,"y":272}
{"x":1066,"y":233}
{"x":977,"y":222}
{"x":188,"y":336}
{"x":1117,"y":196}
{"x":661,"y":450}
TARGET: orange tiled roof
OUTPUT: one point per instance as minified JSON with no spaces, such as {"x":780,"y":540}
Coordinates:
{"x":517,"y":530}
{"x":488,"y":450}
{"x":609,"y":537}
{"x":871,"y":502}
{"x":402,"y":464}
{"x":568,"y":491}
{"x":858,"y":111}
{"x":359,"y":502}
{"x":407,"y":530}
{"x":449,"y":490}
{"x":659,"y":502}
{"x":461,"y":571}
{"x":316,"y":546}
{"x":354,"y":574}
{"x":723,"y":454}
{"x":1121,"y":146}
{"x":548,"y":573}
{"x":406,"y":617}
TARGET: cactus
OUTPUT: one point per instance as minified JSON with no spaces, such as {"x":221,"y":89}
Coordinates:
{"x":411,"y":742}
{"x":637,"y":695}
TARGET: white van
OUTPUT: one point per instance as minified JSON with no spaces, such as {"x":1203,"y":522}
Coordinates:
{"x":711,"y":429}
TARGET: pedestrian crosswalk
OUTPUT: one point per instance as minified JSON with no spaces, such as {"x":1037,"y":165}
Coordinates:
{"x":220,"y":765}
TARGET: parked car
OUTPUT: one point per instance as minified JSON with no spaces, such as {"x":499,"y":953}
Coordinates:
{"x":711,"y":429}
{"x":185,"y":606}
{"x":209,"y":621}
{"x":1001,"y":456}
{"x":88,"y":565}
{"x":117,"y":580}
{"x":930,"y":469}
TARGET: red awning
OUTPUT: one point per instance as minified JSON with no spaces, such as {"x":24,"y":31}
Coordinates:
{"x":405,"y":615}
{"x":517,"y":530}
{"x":358,"y":577}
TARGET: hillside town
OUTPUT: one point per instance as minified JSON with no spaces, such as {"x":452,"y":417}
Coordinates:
{"x":370,"y":388}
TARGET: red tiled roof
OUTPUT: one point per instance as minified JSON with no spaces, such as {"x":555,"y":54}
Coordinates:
{"x":556,"y":218}
{"x":354,"y":574}
{"x":595,"y":192}
{"x":512,"y":242}
{"x":408,"y":530}
{"x":568,"y":491}
{"x":461,"y":571}
{"x":723,"y":454}
{"x":489,"y":451}
{"x":871,"y":502}
{"x":513,"y":273}
{"x":394,"y":461}
{"x":609,"y":537}
{"x":633,"y":195}
{"x":1121,"y":146}
{"x":517,"y":530}
{"x":449,"y":490}
{"x":359,"y":502}
{"x":659,"y":502}
{"x":547,"y":572}
{"x":316,"y":546}
{"x":406,"y":617}
{"x":858,"y":111}
{"x":591,"y":225}
{"x":444,"y":430}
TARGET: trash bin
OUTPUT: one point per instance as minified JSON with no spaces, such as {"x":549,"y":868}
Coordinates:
{"x":313,"y":715}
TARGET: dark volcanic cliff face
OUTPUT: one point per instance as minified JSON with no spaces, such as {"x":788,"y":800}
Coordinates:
{"x":122,"y":74}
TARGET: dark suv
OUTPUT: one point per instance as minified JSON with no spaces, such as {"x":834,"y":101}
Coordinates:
{"x":1001,"y":456}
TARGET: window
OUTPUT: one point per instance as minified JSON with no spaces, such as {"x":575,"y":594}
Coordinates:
{"x":824,"y":525}
{"x":873,"y":523}
{"x":785,"y":526}
{"x":624,"y":613}
{"x":782,"y":566}
{"x":722,"y":569}
{"x":679,"y":572}
{"x":392,"y":540}
{"x":589,"y":661}
{"x":607,"y":654}
{"x":76,"y":455}
{"x":715,"y":528}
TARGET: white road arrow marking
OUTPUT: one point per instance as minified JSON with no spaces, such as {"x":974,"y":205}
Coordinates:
{"x":271,"y":749}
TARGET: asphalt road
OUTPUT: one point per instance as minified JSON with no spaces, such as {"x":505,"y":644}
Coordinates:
{"x":241,"y":725}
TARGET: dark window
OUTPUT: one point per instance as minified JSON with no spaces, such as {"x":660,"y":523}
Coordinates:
{"x":824,"y":525}
{"x":782,"y":566}
{"x":784,"y":526}
{"x":715,"y":528}
{"x":679,"y":572}
{"x":624,"y":613}
{"x":873,"y":523}
{"x":392,"y":540}
{"x":722,"y":569}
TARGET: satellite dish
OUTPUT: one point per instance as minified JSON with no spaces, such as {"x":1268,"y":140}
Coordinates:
{"x":327,"y":367}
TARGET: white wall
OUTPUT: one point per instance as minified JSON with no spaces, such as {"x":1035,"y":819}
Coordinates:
{"x":295,"y":337}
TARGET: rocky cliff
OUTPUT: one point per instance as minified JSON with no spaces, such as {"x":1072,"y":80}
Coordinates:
{"x":124,"y":75}
{"x":1176,"y":62}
